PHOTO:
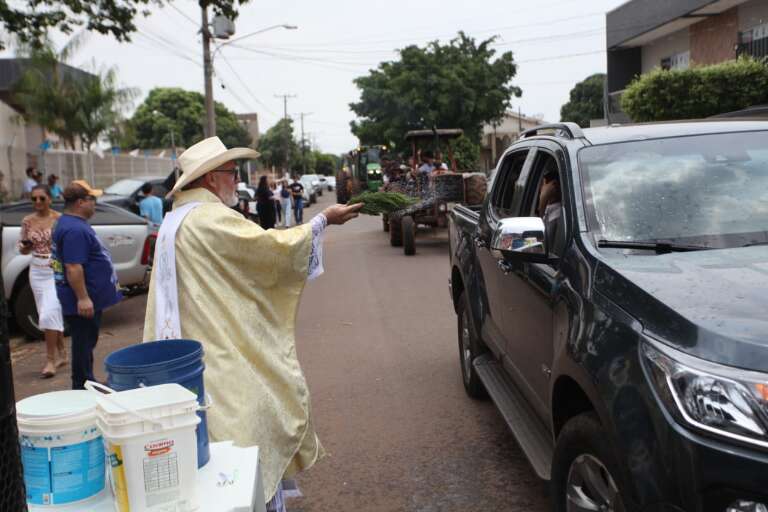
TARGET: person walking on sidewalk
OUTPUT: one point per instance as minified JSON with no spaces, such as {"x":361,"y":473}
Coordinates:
{"x":36,"y":239}
{"x":285,"y":203}
{"x":297,"y":191}
{"x":265,"y":204}
{"x":86,"y":282}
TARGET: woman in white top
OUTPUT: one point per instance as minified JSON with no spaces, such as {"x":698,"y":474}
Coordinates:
{"x":36,"y":231}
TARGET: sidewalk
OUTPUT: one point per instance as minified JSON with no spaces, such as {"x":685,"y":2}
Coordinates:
{"x":121,"y":326}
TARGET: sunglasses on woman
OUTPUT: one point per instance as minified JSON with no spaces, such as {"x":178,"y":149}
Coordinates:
{"x":39,"y":199}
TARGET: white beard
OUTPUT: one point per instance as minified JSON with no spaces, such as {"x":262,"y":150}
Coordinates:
{"x":230,"y":200}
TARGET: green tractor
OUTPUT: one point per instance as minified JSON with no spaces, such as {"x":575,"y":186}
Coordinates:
{"x":361,"y":171}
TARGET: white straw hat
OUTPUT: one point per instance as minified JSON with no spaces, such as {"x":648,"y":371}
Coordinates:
{"x":205,"y":156}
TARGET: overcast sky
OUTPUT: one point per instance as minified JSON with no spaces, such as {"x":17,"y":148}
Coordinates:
{"x":556,"y":43}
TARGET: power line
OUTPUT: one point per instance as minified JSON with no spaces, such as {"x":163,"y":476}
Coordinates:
{"x":185,"y":15}
{"x":169,"y":48}
{"x":245,"y":86}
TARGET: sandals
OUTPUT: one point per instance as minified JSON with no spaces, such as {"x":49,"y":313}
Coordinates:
{"x":49,"y":371}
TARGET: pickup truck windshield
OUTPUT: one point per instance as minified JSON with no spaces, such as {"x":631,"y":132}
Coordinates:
{"x":706,"y":190}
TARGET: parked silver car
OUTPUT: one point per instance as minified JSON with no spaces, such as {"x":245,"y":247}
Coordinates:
{"x":128,"y":238}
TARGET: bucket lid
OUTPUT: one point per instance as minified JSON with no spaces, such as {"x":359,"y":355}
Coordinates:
{"x":55,"y":405}
{"x":150,"y":401}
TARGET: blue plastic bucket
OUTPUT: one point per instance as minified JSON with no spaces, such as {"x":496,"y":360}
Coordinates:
{"x":163,"y":362}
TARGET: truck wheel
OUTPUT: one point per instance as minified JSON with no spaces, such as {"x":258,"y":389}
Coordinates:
{"x":409,"y":236}
{"x":470,"y":347}
{"x":25,"y":313}
{"x":385,"y":222}
{"x":320,"y":192}
{"x":312,"y":199}
{"x":395,"y":232}
{"x":585,"y":472}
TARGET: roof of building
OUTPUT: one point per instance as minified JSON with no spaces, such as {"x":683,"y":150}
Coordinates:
{"x":12,"y":69}
{"x":637,"y":22}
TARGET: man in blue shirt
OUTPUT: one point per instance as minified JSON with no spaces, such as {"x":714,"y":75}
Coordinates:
{"x":86,"y":282}
{"x":151,"y":207}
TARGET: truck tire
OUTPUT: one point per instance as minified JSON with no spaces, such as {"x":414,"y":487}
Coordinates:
{"x":320,"y":192}
{"x":385,"y":222}
{"x":409,"y":235}
{"x":395,"y":232}
{"x":25,"y":312}
{"x":585,"y":468}
{"x":312,"y":199}
{"x":470,"y":347}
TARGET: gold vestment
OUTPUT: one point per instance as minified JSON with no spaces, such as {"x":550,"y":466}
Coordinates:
{"x":239,"y":288}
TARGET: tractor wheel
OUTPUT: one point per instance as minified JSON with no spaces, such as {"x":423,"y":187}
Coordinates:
{"x":395,"y":233}
{"x":409,"y":236}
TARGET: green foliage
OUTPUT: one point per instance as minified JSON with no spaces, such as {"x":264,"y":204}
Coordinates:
{"x":326,"y":163}
{"x":586,"y":101}
{"x":32,"y":22}
{"x":466,"y":153}
{"x":67,"y":102}
{"x":697,"y":92}
{"x":167,"y":109}
{"x":377,"y":203}
{"x":454,"y":85}
{"x":275,"y":142}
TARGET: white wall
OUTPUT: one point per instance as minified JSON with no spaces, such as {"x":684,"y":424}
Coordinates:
{"x":752,"y":14}
{"x":13,"y":148}
{"x":653,"y":53}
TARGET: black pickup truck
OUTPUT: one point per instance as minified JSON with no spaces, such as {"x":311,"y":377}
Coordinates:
{"x":612,"y":299}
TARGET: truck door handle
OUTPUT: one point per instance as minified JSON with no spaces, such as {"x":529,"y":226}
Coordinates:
{"x":479,"y":242}
{"x":505,"y":267}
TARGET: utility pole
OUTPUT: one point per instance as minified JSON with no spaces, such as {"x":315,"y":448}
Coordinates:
{"x":210,"y":114}
{"x":303,"y":142}
{"x":285,"y":98}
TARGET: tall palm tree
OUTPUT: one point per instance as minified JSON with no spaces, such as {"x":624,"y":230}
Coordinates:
{"x":75,"y":106}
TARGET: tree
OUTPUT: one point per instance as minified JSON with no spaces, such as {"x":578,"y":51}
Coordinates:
{"x":466,"y":153}
{"x":456,"y":85}
{"x":326,"y":163}
{"x":698,"y":92}
{"x":72,"y":104}
{"x":183,"y":112}
{"x":276,"y":141}
{"x":586,"y":101}
{"x":115,"y":17}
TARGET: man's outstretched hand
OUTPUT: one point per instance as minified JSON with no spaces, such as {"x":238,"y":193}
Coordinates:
{"x":340,"y":213}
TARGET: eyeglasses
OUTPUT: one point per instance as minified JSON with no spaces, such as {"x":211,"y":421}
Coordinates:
{"x":234,"y":173}
{"x":39,"y":199}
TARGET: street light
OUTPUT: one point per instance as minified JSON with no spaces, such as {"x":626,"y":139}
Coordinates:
{"x":210,"y":125}
{"x":157,"y":113}
{"x":235,"y":40}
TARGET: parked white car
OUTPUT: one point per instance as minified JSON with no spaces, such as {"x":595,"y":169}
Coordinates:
{"x":126,"y":236}
{"x":311,"y":187}
{"x":330,"y":182}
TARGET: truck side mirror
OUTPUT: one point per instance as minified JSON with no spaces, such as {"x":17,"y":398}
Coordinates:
{"x":521,"y":239}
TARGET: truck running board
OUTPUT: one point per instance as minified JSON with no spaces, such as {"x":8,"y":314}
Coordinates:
{"x":529,"y":432}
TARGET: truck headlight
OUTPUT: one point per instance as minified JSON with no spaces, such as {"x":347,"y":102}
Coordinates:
{"x":722,"y":400}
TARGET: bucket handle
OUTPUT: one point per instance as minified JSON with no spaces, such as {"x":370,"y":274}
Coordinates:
{"x":105,"y":392}
{"x":208,"y":403}
{"x":208,"y":399}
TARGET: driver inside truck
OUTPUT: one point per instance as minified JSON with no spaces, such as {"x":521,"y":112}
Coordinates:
{"x":549,"y":206}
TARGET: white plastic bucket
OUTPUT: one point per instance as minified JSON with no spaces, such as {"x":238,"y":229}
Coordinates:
{"x":61,"y":448}
{"x":151,"y":445}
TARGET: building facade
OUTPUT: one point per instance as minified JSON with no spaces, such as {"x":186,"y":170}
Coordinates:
{"x":647,"y":34}
{"x":499,"y":136}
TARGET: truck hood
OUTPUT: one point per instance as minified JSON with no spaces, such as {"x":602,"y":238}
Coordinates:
{"x":710,"y":304}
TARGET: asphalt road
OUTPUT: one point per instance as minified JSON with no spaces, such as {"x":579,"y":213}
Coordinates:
{"x":376,"y":337}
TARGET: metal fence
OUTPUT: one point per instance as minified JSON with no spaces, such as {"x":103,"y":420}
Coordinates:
{"x":100,"y":171}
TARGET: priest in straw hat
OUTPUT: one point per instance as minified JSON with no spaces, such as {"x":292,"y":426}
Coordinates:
{"x":224,"y":281}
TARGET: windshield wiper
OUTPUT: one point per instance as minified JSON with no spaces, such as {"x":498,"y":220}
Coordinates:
{"x":659,"y":247}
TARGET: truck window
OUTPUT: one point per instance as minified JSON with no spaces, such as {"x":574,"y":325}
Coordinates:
{"x":502,"y":199}
{"x":543,"y":199}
